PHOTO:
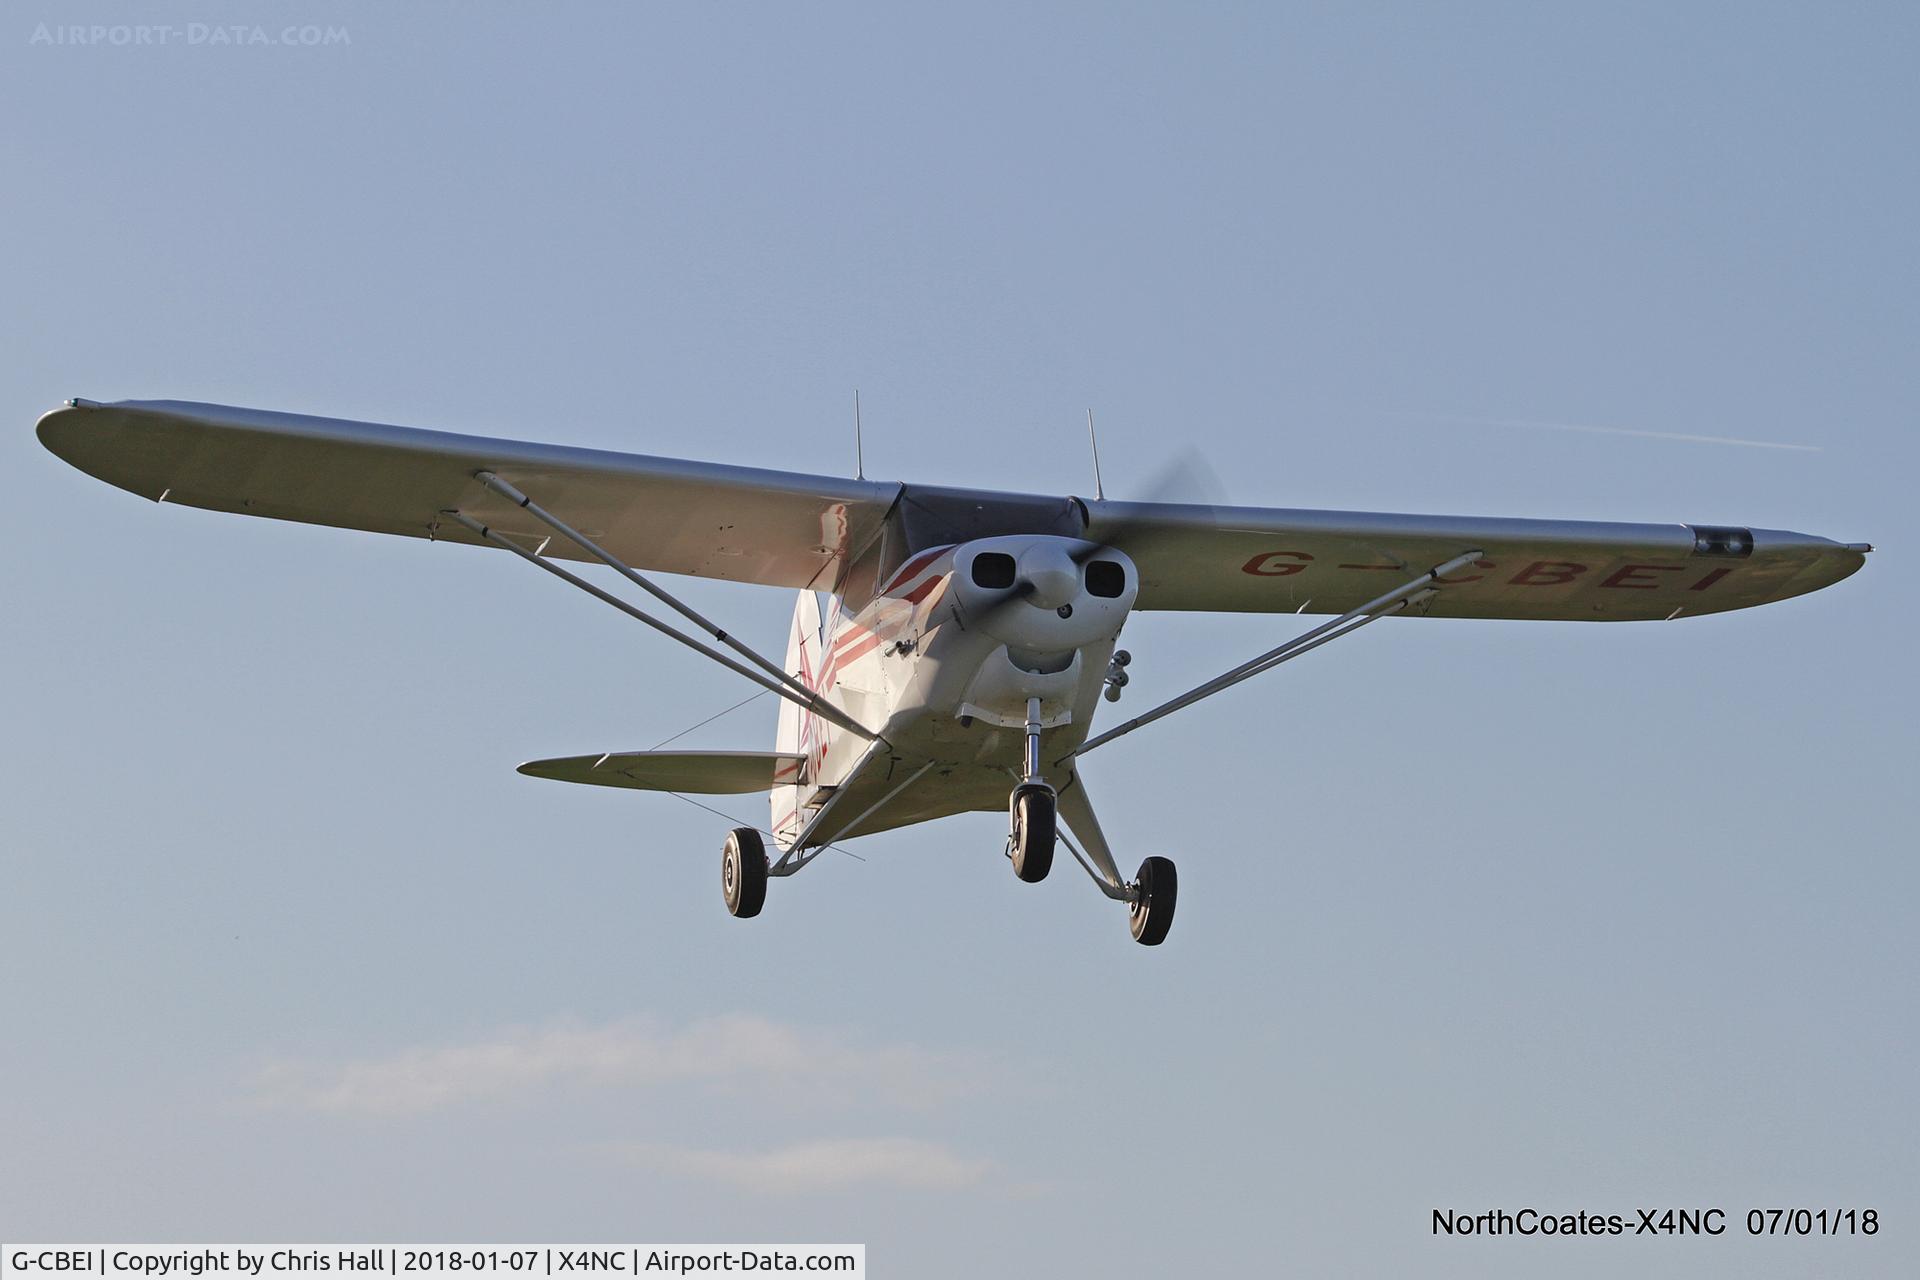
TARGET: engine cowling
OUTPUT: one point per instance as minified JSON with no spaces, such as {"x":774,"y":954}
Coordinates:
{"x":1043,"y":597}
{"x":1050,"y":606}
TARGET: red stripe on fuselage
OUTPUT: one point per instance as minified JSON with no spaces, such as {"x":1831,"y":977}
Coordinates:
{"x":853,"y":634}
{"x":912,"y":567}
{"x":858,"y":651}
{"x":853,"y":641}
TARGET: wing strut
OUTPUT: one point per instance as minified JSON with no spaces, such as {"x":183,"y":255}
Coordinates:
{"x":789,"y":690}
{"x":1401,"y":597}
{"x":634,"y":576}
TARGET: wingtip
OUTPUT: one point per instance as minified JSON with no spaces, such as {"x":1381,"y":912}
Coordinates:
{"x":73,"y":433}
{"x":48,"y":428}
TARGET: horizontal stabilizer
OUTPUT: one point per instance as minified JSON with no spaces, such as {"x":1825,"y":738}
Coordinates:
{"x":707,"y":773}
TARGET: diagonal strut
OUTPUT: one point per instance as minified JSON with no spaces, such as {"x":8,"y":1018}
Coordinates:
{"x":1401,"y":597}
{"x":811,"y":701}
{"x":600,"y":553}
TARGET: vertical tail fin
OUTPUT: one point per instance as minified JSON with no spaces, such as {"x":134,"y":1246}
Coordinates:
{"x":800,"y":732}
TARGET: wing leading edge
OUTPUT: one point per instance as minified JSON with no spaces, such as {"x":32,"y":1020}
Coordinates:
{"x":716,"y":521}
{"x":779,"y":528}
{"x":1263,"y":560}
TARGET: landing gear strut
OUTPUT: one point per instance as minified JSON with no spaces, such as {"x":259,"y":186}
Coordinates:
{"x":1033,"y":811}
{"x":1149,"y":897}
{"x":743,"y":872}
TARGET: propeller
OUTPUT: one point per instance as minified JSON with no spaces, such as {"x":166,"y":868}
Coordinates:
{"x":1186,"y":478}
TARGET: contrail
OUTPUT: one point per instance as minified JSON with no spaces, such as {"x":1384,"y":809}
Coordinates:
{"x":1611,"y":431}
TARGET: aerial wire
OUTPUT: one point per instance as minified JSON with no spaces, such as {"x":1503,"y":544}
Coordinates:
{"x":709,"y":808}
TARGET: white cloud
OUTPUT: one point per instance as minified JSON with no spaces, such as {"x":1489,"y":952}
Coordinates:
{"x":730,"y":1052}
{"x":833,"y":1164}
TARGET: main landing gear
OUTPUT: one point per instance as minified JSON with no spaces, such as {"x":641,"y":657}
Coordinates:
{"x":743,"y":872}
{"x":744,"y":866}
{"x":1150,"y":913}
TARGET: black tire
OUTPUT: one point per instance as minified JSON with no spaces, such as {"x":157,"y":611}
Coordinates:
{"x":743,"y":872}
{"x":1034,"y":820}
{"x":1152,"y":915}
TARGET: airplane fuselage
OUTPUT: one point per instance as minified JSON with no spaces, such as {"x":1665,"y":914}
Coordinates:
{"x":946,"y":660}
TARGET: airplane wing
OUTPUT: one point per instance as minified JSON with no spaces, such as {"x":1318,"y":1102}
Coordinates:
{"x":783,"y":529}
{"x":1268,"y":560}
{"x":707,"y":773}
{"x":738,"y":523}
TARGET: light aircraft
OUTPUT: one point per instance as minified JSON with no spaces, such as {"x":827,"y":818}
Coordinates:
{"x":949,"y":646}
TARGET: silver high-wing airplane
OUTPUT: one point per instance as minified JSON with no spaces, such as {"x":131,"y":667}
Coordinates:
{"x":969,"y":635}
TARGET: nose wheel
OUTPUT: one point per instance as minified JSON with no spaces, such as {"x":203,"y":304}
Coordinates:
{"x":1033,"y":810}
{"x":743,"y":872}
{"x":1030,"y":844}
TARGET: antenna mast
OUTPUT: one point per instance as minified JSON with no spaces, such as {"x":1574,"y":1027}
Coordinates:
{"x":859,"y":448}
{"x":1099,"y":490}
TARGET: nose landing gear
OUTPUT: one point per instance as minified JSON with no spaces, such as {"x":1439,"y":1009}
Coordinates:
{"x":1030,"y":844}
{"x":1033,"y":811}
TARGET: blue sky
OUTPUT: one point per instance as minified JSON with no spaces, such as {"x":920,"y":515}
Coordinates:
{"x":1474,"y":915}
